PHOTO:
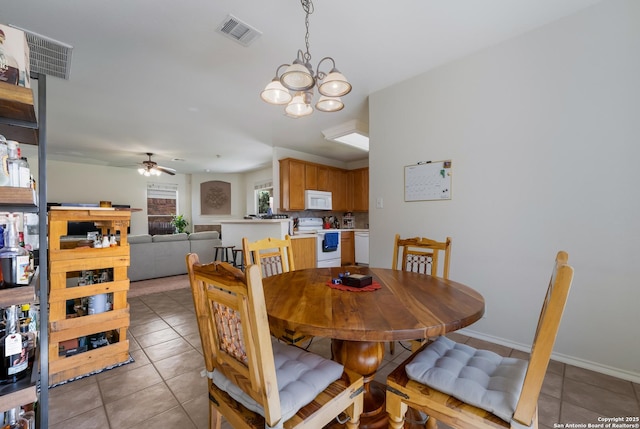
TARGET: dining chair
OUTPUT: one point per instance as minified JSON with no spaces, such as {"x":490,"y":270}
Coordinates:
{"x":273,"y":256}
{"x":420,"y":255}
{"x":256,"y":381}
{"x":469,"y":388}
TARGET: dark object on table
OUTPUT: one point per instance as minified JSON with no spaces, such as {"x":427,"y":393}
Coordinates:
{"x":357,"y":280}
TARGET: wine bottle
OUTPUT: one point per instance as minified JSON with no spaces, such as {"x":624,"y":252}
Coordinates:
{"x":14,"y":356}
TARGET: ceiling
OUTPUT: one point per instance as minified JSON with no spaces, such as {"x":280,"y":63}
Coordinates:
{"x":155,"y":76}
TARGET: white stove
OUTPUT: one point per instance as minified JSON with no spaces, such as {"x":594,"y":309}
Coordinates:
{"x":328,"y":251}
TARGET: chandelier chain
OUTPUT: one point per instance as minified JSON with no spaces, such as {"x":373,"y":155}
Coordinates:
{"x":307,"y":6}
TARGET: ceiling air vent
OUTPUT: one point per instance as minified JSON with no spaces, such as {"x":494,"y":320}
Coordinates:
{"x":48,"y":56}
{"x":237,"y":30}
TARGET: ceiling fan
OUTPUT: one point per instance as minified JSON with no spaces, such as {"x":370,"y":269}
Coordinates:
{"x":151,"y":168}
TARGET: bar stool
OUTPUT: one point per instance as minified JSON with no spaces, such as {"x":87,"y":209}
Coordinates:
{"x":235,"y":258}
{"x":224,"y":253}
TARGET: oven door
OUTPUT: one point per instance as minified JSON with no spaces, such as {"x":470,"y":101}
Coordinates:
{"x":328,"y":258}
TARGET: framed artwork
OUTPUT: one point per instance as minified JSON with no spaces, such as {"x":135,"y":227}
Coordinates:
{"x":215,"y":198}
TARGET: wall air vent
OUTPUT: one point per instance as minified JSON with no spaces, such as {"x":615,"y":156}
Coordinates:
{"x":237,"y":30}
{"x":47,"y":56}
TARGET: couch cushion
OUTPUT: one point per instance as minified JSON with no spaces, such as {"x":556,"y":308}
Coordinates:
{"x":170,"y":237}
{"x":301,"y":377}
{"x":143,"y":238}
{"x":204,"y":235}
{"x":478,"y":377}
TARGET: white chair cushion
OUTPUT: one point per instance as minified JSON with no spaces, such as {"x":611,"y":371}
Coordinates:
{"x":478,"y":377}
{"x":301,"y":377}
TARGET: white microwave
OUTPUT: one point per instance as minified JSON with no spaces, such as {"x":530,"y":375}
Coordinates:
{"x":317,"y":200}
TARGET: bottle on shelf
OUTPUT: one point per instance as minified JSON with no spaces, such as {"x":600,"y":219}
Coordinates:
{"x":15,"y":261}
{"x":24,"y":171}
{"x":13,"y":163}
{"x":4,"y":173}
{"x":13,"y":420}
{"x":14,"y":355}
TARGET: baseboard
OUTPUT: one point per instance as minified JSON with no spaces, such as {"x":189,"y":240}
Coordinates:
{"x":571,"y":360}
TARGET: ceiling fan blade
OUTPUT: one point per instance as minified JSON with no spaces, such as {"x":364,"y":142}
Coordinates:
{"x":167,"y":170}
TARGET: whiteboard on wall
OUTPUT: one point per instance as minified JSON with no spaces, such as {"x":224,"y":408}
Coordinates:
{"x":427,"y":181}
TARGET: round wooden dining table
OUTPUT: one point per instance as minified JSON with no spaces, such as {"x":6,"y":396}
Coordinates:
{"x":406,"y":306}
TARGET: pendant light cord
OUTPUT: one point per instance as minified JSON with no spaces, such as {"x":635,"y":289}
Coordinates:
{"x":307,"y":6}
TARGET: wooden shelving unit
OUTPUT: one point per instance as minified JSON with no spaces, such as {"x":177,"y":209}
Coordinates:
{"x":18,"y":121}
{"x":64,"y":264}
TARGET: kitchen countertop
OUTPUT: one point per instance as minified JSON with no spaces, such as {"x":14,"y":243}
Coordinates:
{"x":298,"y":234}
{"x":253,"y":221}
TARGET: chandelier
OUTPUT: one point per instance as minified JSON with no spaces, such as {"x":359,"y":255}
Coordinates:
{"x":299,"y":78}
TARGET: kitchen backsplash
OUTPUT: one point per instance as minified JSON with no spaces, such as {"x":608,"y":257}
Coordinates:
{"x":361,"y":220}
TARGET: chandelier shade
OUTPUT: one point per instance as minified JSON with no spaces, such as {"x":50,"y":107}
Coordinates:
{"x":329,"y":104}
{"x":334,"y":85}
{"x":275,"y":93}
{"x":299,"y":106}
{"x":299,"y":78}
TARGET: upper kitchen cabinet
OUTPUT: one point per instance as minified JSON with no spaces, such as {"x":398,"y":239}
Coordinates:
{"x":292,"y":184}
{"x":358,"y":190}
{"x":349,"y":188}
{"x":338,"y":189}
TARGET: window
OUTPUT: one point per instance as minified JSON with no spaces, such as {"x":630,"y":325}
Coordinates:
{"x":263,"y":197}
{"x":162,"y":204}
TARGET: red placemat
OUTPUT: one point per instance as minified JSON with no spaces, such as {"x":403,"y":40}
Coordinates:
{"x":373,"y":286}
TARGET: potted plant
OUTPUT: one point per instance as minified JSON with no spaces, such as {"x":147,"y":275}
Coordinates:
{"x":179,"y":223}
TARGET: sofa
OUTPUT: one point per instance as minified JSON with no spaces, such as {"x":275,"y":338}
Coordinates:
{"x":154,"y":256}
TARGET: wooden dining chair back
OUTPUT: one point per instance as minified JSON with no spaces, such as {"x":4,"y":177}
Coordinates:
{"x":254,"y":380}
{"x":421,"y":255}
{"x":272,"y":255}
{"x":459,"y":397}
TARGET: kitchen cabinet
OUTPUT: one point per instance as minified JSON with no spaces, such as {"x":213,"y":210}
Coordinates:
{"x":348,"y":248}
{"x":349,"y":188}
{"x":311,"y":177}
{"x":18,"y":122}
{"x":358,"y":190}
{"x":338,"y":189}
{"x":304,"y":252}
{"x":292,"y":184}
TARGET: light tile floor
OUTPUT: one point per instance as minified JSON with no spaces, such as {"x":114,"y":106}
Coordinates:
{"x":163,"y":387}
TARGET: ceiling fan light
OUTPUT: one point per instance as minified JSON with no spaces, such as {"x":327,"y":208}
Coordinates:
{"x":141,"y":170}
{"x":329,"y":104}
{"x":297,"y":108}
{"x":334,"y":85}
{"x":297,"y":77}
{"x":275,"y":93}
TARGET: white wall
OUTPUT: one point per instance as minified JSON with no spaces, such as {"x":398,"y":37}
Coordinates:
{"x":69,"y":182}
{"x":544,"y":135}
{"x":238,"y":200}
